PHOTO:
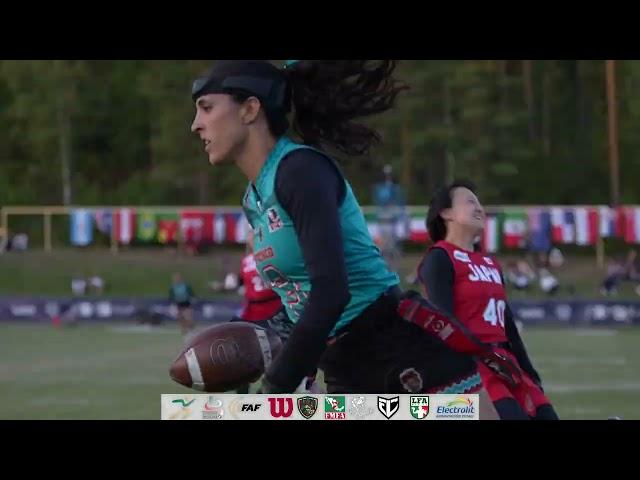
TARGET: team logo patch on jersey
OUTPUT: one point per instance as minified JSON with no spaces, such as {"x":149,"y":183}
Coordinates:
{"x":275,"y":222}
{"x":263,"y":254}
{"x":307,"y":406}
{"x":411,"y":380}
{"x":462,"y":256}
{"x":488,"y":261}
{"x":388,"y":406}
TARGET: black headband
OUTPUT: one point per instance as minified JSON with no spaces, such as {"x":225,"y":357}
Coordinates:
{"x":273,"y":92}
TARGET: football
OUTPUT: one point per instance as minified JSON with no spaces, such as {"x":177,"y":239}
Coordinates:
{"x":225,"y":357}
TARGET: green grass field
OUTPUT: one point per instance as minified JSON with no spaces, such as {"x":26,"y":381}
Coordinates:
{"x":147,"y":272}
{"x":119,"y":372}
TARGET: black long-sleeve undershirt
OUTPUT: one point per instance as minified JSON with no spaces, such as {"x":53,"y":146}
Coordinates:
{"x":310,"y":189}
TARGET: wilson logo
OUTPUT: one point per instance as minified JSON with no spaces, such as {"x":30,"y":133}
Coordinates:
{"x":281,"y":407}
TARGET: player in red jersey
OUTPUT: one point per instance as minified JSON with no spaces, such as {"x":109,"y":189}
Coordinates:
{"x":260,"y":302}
{"x":464,"y":282}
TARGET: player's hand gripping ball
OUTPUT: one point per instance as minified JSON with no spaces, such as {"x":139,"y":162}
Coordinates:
{"x":225,"y":357}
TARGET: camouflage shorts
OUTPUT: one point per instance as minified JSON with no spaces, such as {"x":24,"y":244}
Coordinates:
{"x":279,"y":323}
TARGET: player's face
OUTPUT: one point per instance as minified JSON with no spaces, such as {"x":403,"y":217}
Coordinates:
{"x":466,"y":209}
{"x":218,"y":124}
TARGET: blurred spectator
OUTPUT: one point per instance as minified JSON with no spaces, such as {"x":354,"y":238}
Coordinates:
{"x":79,"y":286}
{"x":388,"y":197}
{"x":520,"y":274}
{"x":615,"y":274}
{"x":556,"y":259}
{"x":619,"y":271}
{"x":231,"y":282}
{"x":181,"y":295}
{"x":96,"y":284}
{"x":630,"y":266}
{"x":549,"y":284}
{"x":20,"y":242}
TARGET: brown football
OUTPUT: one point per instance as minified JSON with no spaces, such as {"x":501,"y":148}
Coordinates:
{"x":225,"y":357}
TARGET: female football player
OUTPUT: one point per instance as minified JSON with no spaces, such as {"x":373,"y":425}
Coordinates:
{"x":469,"y":284}
{"x":312,"y":244}
{"x":262,"y":306}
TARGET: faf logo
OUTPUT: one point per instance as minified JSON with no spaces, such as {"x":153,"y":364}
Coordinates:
{"x":240,"y":409}
{"x":419,"y":407}
{"x":184,"y":405}
{"x":307,"y":406}
{"x":334,"y":408}
{"x":212,"y":409}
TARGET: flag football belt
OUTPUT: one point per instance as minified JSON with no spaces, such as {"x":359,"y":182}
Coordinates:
{"x":419,"y":311}
{"x":383,"y":308}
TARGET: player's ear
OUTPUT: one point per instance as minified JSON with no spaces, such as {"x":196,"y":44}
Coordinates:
{"x":447,"y":214}
{"x":249,"y":110}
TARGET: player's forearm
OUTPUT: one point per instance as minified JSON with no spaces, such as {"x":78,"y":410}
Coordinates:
{"x":310,"y":189}
{"x":302,"y":351}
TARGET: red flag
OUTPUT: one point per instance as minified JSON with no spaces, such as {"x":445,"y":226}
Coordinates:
{"x":196,"y":226}
{"x":125,"y":225}
{"x":621,"y":222}
{"x":587,"y":225}
{"x":230,"y":222}
{"x":168,"y":228}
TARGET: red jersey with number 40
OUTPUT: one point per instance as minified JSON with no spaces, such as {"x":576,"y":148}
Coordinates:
{"x":479,"y":297}
{"x":261,"y":302}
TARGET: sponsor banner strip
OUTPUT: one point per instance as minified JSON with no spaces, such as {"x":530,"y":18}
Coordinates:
{"x":319,"y":407}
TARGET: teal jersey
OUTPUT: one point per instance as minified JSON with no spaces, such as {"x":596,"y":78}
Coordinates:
{"x":278,"y":255}
{"x":180,"y":293}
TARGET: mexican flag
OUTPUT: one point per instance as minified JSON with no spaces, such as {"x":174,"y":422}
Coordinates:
{"x":418,"y":229}
{"x":168,"y":227}
{"x":146,"y":231}
{"x":491,"y":235}
{"x":514,"y":228}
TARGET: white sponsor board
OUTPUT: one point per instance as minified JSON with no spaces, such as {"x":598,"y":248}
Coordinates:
{"x":324,"y":407}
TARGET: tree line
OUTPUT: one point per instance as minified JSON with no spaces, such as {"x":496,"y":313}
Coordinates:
{"x":109,"y":132}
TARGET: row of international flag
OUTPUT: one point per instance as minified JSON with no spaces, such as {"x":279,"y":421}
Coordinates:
{"x":536,"y":227}
{"x":540,"y":228}
{"x":130,"y":225}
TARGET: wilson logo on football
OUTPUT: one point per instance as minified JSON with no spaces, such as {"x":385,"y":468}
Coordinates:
{"x":281,"y":407}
